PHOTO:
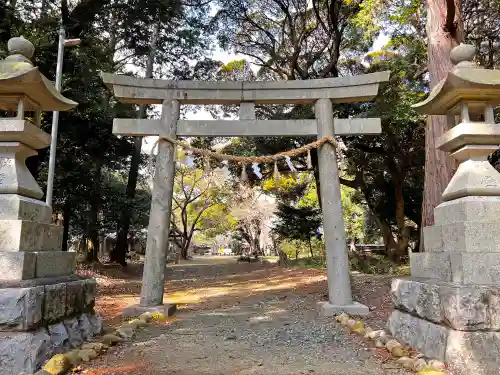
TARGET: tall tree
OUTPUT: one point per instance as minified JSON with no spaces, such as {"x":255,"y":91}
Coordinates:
{"x":118,"y":253}
{"x":200,"y":202}
{"x":251,"y":209}
{"x":115,"y":34}
{"x":444,"y":32}
{"x":297,"y":223}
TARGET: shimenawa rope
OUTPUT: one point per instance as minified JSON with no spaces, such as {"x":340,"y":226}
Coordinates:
{"x":245,"y":160}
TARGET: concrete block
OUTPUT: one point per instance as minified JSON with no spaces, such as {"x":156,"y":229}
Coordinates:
{"x":472,"y":236}
{"x":55,"y":263}
{"x":21,"y":308}
{"x":465,"y":308}
{"x":431,"y":265}
{"x":468,"y":209}
{"x":433,"y":238}
{"x":460,"y":307}
{"x":55,"y":303}
{"x":133,"y":311}
{"x":89,"y":293}
{"x":75,"y":297}
{"x":17,"y":266}
{"x":417,"y":297}
{"x":18,"y":207}
{"x":327,"y":309}
{"x":25,"y":351}
{"x":473,"y":352}
{"x":476,"y":268}
{"x":53,"y":238}
{"x":24,"y":235}
{"x":494,"y":309}
{"x":420,"y":334}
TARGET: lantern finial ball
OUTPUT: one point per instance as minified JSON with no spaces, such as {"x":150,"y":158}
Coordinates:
{"x":21,"y":46}
{"x":462,"y":53}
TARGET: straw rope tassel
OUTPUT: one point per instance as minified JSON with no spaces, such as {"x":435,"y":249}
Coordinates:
{"x":309,"y":160}
{"x":244,"y":175}
{"x":276,"y":173}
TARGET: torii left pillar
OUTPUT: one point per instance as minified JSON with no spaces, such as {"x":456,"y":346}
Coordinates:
{"x":339,"y":283}
{"x":153,"y":275}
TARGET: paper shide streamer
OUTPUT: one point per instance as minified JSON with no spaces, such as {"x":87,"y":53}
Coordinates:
{"x":290,"y":165}
{"x":256,"y":170}
{"x":244,"y":161}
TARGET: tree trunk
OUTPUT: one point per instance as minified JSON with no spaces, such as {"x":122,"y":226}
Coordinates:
{"x":119,"y":252}
{"x":311,"y":248}
{"x":283,"y":258}
{"x":443,"y":36}
{"x":66,"y":215}
{"x":95,"y":207}
{"x":184,"y":251}
{"x":314,"y":160}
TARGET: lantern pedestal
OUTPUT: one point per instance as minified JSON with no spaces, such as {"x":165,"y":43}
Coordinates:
{"x":449,"y":308}
{"x":44,"y":307}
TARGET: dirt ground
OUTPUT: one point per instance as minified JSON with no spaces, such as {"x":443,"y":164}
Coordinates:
{"x":241,"y":319}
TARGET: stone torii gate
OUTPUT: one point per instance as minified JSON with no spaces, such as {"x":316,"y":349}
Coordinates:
{"x":171,"y":94}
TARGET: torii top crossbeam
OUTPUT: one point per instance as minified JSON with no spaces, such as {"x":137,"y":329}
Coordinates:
{"x":153,"y":91}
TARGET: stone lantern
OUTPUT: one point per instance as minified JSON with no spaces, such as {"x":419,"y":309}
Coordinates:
{"x":450,"y":307}
{"x":44,"y":306}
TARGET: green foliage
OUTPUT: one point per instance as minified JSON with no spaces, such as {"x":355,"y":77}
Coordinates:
{"x":114,"y":200}
{"x":353,"y":213}
{"x":377,"y":264}
{"x":371,"y":232}
{"x":386,"y":171}
{"x":92,"y":162}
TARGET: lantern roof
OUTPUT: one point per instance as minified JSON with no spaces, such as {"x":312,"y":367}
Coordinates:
{"x":20,"y":79}
{"x":465,"y":83}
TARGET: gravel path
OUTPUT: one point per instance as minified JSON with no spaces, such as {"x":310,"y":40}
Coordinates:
{"x":260,"y":323}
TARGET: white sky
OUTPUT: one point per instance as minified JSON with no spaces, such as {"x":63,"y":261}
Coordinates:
{"x":226,"y":57}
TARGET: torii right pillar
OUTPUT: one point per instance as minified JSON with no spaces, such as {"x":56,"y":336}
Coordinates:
{"x":449,"y":308}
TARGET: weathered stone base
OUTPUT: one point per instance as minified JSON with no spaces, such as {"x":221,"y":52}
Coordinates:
{"x":133,"y":311}
{"x":457,"y":306}
{"x":41,"y":317}
{"x":25,"y":265}
{"x":465,"y":352}
{"x":23,"y":309}
{"x":27,"y":351}
{"x":463,"y":268}
{"x":25,"y":235}
{"x":327,"y":309}
{"x":452,"y":322}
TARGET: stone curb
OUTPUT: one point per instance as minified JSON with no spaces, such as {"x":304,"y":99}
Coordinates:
{"x":61,"y":364}
{"x":398,"y":351}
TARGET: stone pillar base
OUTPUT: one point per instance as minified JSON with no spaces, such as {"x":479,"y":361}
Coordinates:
{"x":451,"y":322}
{"x":328,"y":309}
{"x":134,"y":311}
{"x":41,"y":317}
